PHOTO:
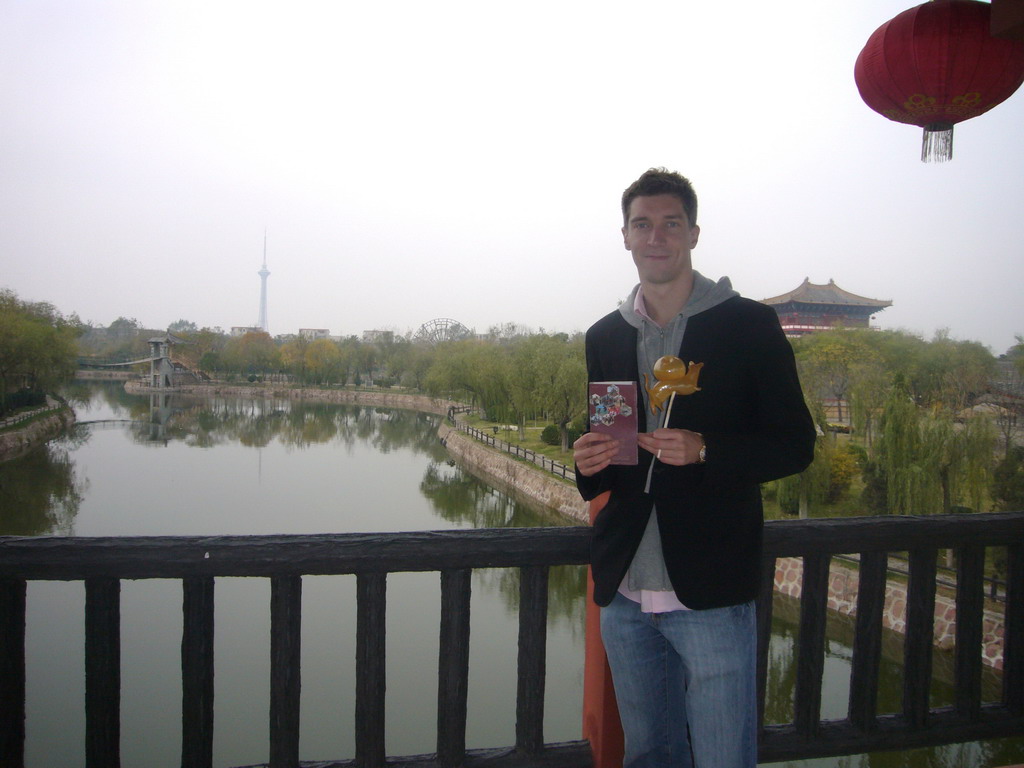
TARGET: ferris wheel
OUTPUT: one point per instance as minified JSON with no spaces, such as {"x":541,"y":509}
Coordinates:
{"x":442,"y":329}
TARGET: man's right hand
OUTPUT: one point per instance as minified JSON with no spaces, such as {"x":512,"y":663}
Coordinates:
{"x":593,"y":452}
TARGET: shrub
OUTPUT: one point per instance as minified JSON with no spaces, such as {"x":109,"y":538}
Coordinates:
{"x":551,"y":435}
{"x":787,"y":494}
{"x":860,"y":452}
{"x":842,"y":470}
{"x":1008,"y":481}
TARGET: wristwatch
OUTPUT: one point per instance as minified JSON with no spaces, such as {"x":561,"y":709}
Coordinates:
{"x":702,"y":455}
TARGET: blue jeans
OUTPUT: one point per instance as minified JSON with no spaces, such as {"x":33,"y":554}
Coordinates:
{"x":685,"y":683}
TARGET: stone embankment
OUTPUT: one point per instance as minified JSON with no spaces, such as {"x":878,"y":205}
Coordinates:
{"x":375,"y":398}
{"x":18,"y":441}
{"x":842,"y":598}
{"x":512,"y":474}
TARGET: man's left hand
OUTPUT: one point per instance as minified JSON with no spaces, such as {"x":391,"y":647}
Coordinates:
{"x":677,"y":447}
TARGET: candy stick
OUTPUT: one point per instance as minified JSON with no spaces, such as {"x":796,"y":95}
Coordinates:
{"x":668,"y":410}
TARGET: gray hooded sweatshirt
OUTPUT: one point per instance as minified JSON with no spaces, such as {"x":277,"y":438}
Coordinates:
{"x":647,"y":571}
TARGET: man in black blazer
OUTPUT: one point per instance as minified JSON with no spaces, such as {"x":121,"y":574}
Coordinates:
{"x":677,"y":548}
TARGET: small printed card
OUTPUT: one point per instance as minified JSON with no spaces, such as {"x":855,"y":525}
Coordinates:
{"x":612,"y":410}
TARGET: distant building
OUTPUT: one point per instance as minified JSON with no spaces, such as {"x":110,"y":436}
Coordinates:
{"x":372,"y":337}
{"x":811,"y":308}
{"x":314,"y":333}
{"x":241,"y":330}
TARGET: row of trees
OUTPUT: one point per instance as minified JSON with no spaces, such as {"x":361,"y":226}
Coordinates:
{"x":916,"y":445}
{"x":512,"y":374}
{"x":920,"y":444}
{"x":37,"y":349}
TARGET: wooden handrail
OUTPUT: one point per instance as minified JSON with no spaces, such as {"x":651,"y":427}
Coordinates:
{"x":863,"y":729}
{"x":197,"y":561}
{"x":102,"y":563}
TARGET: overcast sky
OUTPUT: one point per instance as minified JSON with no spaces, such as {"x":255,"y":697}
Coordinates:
{"x":411,"y":161}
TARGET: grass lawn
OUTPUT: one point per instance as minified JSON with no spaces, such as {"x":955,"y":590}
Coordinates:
{"x":510,"y":434}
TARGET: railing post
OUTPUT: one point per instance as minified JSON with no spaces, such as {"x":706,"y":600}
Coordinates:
{"x":533,"y":612}
{"x":970,"y":608}
{"x":1013,"y":648}
{"x":197,"y":673}
{"x":102,"y":673}
{"x":371,"y":672}
{"x":867,"y":642}
{"x":919,"y":637}
{"x":764,"y":608}
{"x":12,"y":672}
{"x":601,"y":725}
{"x":811,"y":645}
{"x":453,"y":667}
{"x":285,"y":669}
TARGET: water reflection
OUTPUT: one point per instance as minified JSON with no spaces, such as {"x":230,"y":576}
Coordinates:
{"x":41,"y":490}
{"x":840,"y":629}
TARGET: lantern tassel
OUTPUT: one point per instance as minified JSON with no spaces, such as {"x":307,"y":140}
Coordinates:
{"x":937,"y":143}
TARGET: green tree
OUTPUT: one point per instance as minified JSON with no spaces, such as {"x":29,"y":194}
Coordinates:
{"x":473,"y":371}
{"x":419,"y":358}
{"x":124,"y":327}
{"x":323,"y":361}
{"x":929,"y":462}
{"x":523,"y":378}
{"x":870,"y":383}
{"x":950,"y":373}
{"x":1016,"y":354}
{"x":1008,"y":485}
{"x":201,"y":350}
{"x":37,"y":346}
{"x":828,"y":363}
{"x":899,"y":454}
{"x":562,"y":381}
{"x":349,"y":347}
{"x":251,"y":353}
{"x":806,"y":491}
{"x":180,"y":327}
{"x":293,"y":358}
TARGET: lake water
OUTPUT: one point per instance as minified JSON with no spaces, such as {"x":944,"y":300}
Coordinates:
{"x":184,"y":466}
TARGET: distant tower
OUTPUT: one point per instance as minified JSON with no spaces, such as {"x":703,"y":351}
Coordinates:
{"x":264,"y":273}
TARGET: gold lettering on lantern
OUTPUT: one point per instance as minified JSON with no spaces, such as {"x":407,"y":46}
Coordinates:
{"x":918,"y":102}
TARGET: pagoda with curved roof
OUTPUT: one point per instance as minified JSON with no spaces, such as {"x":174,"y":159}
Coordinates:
{"x":811,"y":308}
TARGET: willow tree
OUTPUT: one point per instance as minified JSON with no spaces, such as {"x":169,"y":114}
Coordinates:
{"x":899,"y":450}
{"x":931,"y":463}
{"x":524,"y":360}
{"x":561,"y":383}
{"x":471,"y":369}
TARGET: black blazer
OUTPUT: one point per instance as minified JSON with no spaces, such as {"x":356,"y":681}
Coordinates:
{"x":751,"y":412}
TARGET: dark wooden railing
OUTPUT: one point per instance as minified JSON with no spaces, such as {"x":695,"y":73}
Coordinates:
{"x":197,"y":561}
{"x":916,"y":725}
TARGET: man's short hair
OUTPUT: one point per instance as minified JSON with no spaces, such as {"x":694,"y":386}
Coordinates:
{"x":660,"y":181}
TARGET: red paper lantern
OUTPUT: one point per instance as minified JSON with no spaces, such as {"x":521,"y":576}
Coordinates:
{"x":935,"y":65}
